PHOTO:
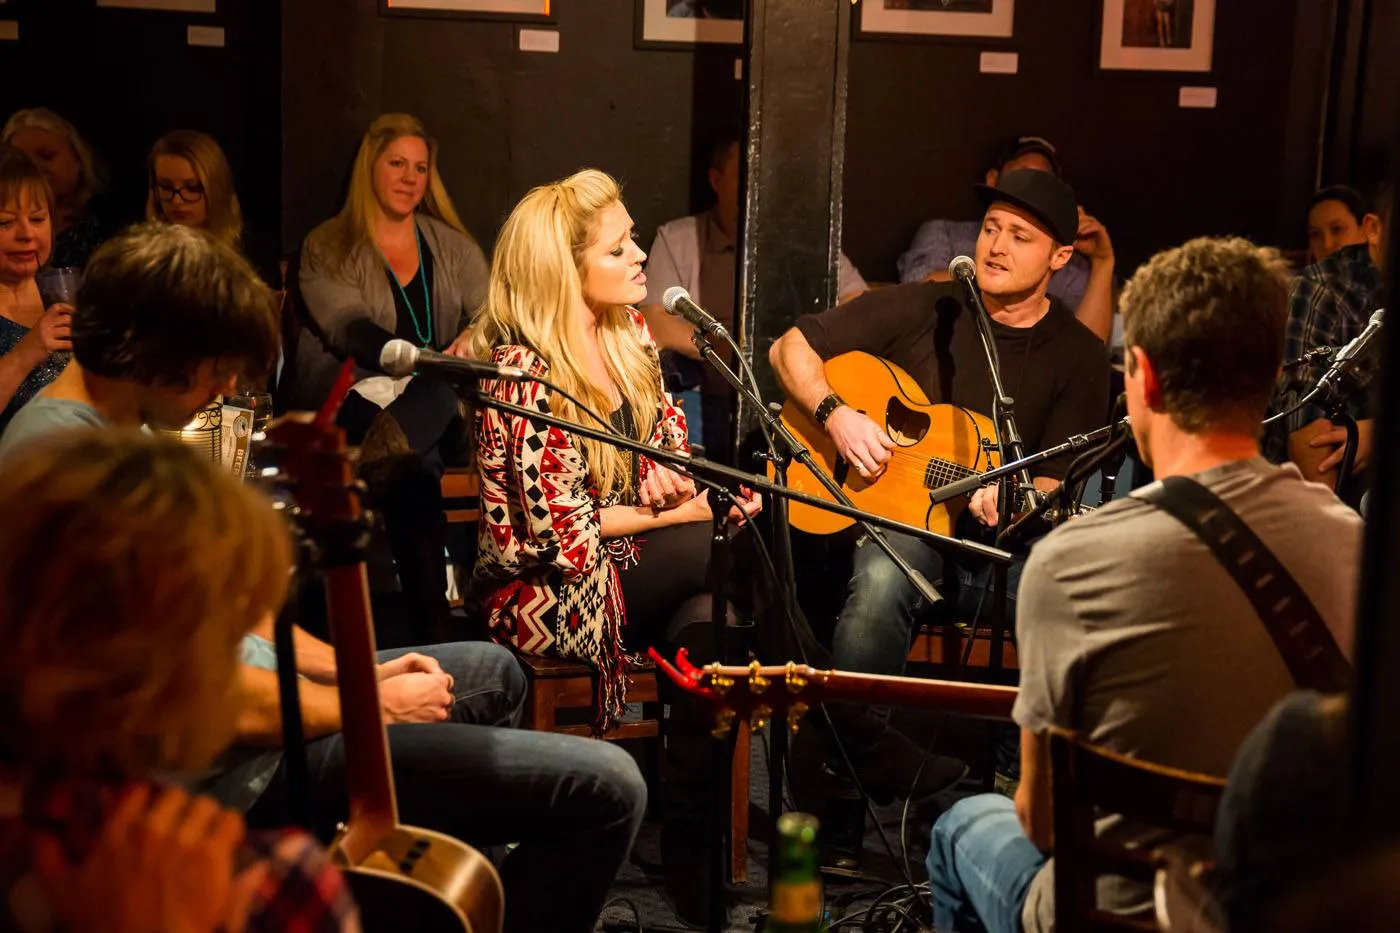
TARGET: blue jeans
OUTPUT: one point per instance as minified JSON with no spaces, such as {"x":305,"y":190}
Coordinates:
{"x":572,"y":804}
{"x":980,"y":866}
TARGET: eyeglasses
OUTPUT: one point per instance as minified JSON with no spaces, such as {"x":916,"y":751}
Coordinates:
{"x":187,"y":193}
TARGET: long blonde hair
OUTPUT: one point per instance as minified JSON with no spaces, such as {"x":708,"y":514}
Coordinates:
{"x":92,"y":175}
{"x":536,"y":299}
{"x":224,"y":218}
{"x":130,"y":570}
{"x":355,"y":222}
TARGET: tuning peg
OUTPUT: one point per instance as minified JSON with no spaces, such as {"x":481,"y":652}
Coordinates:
{"x":758,"y":720}
{"x":724,"y":723}
{"x":794,"y":716}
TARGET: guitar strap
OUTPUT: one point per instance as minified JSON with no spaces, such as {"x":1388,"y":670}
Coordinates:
{"x":1290,"y":617}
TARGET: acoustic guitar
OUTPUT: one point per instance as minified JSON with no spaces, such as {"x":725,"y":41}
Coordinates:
{"x":403,"y":878}
{"x":936,"y":445}
{"x":757,"y":693}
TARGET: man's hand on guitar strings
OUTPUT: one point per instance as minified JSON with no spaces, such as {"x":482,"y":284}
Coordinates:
{"x":984,"y":505}
{"x":860,"y":441}
{"x":416,"y":697}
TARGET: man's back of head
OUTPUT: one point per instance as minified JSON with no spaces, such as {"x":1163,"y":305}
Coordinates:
{"x":159,"y":300}
{"x":1203,"y":331}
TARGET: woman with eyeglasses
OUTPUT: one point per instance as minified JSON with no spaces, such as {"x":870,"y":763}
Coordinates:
{"x":191,"y":184}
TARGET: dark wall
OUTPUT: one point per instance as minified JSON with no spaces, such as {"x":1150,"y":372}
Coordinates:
{"x":922,"y":119}
{"x":125,"y":77}
{"x":506,"y":120}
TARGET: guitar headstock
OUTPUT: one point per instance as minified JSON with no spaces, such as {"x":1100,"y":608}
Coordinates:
{"x":754,"y":692}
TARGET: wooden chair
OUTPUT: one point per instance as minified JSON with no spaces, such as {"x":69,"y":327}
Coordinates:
{"x":1182,"y":901}
{"x":1088,"y":782}
{"x":559,"y":686}
{"x":946,"y":644}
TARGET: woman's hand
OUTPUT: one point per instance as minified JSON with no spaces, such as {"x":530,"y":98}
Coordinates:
{"x":459,"y":347}
{"x":747,"y":504}
{"x":163,"y":861}
{"x":663,"y":488}
{"x":52,"y":334}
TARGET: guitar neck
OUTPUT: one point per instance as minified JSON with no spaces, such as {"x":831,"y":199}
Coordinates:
{"x":987,"y":700}
{"x":369,"y":780}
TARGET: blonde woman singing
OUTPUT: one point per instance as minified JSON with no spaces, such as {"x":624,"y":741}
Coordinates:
{"x":585,"y":551}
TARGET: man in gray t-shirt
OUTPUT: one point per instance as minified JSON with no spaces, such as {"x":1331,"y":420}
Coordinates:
{"x":1129,"y":631}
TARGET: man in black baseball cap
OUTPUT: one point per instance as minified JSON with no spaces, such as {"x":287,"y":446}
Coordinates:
{"x":1085,"y":283}
{"x":1054,"y":367}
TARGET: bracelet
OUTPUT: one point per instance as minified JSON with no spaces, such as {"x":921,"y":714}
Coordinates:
{"x":826,"y":406}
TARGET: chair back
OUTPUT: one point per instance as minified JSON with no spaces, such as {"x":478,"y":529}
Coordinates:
{"x":1090,"y":782}
{"x":1181,"y":899}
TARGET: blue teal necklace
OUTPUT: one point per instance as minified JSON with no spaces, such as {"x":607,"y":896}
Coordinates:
{"x":423,"y":340}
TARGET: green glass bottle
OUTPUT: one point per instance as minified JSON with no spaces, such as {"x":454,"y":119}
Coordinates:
{"x":795,"y":892}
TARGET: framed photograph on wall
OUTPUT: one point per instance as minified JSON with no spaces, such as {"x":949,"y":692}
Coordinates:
{"x":661,"y":23}
{"x":1157,"y":35}
{"x":528,"y":10}
{"x":983,"y":18}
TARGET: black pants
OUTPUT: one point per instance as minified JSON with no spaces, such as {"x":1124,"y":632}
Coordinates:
{"x":667,"y":595}
{"x":409,"y":495}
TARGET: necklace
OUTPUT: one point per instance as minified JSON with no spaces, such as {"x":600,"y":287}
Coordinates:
{"x":425,"y":340}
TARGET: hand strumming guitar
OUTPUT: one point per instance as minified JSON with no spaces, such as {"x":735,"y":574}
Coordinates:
{"x":860,"y":441}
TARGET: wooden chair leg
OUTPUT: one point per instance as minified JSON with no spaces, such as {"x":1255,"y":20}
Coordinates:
{"x":541,"y":709}
{"x":739,"y":806}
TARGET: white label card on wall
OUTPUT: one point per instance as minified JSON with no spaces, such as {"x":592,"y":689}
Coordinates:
{"x":208,"y":36}
{"x":539,"y":40}
{"x":999,"y":63}
{"x":1203,"y":97}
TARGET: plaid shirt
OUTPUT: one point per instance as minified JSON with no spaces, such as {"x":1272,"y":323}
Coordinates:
{"x":1329,"y":303}
{"x":302,"y":891}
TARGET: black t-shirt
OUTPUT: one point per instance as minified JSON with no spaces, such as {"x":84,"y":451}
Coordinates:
{"x":1056,"y":371}
{"x":417,"y":292}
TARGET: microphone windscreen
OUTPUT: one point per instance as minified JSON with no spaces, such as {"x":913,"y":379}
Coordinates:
{"x":364,"y":342}
{"x":962,"y":267}
{"x":398,"y":358}
{"x":674,"y":294}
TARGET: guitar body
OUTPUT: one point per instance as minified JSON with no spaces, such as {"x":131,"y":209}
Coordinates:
{"x":416,"y":879}
{"x":937,"y":444}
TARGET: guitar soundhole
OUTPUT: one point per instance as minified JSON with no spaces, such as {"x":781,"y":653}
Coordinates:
{"x":905,"y":426}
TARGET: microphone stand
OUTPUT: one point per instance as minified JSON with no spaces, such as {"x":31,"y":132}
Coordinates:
{"x":723,"y":481}
{"x":969,"y":484}
{"x":1079,"y":471}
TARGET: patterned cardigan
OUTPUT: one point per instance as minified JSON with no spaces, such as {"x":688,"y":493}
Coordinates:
{"x":544,"y":574}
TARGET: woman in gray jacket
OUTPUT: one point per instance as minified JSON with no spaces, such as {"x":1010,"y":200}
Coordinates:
{"x":395,"y":262}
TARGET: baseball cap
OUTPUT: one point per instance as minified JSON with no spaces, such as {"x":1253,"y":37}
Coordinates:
{"x":1021,"y":145}
{"x":1043,"y":195}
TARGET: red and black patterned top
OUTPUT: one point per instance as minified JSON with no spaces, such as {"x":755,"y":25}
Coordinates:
{"x":546,"y":577}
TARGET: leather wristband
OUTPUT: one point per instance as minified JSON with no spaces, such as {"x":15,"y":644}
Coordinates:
{"x":826,"y":406}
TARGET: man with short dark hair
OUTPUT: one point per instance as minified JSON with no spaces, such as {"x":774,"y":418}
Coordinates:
{"x":1084,"y":284}
{"x":1130,"y":631}
{"x":1054,"y":368}
{"x":167,"y":320}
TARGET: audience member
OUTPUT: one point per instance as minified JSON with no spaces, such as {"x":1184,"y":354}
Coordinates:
{"x":191,"y":184}
{"x":1053,"y":366}
{"x":114,"y":552}
{"x":699,"y":253}
{"x":1337,"y":217}
{"x":33,"y":339}
{"x":396,"y":262}
{"x":1329,"y":304}
{"x":167,"y":320}
{"x":74,"y":174}
{"x":586,"y":551}
{"x":1280,"y":819}
{"x":1130,"y":631}
{"x":1084,"y":284}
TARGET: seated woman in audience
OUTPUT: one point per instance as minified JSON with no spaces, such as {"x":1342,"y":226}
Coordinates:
{"x":1337,"y":217}
{"x":88,"y":833}
{"x":80,"y":220}
{"x":585,"y":551}
{"x":190,"y":183}
{"x":33,"y":340}
{"x":396,"y":262}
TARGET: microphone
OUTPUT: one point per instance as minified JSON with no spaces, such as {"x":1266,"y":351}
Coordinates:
{"x":1358,"y":347}
{"x":962,"y":269}
{"x":677,"y":301}
{"x":401,"y":358}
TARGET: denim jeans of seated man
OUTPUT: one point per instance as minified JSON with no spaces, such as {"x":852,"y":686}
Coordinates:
{"x":980,"y":866}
